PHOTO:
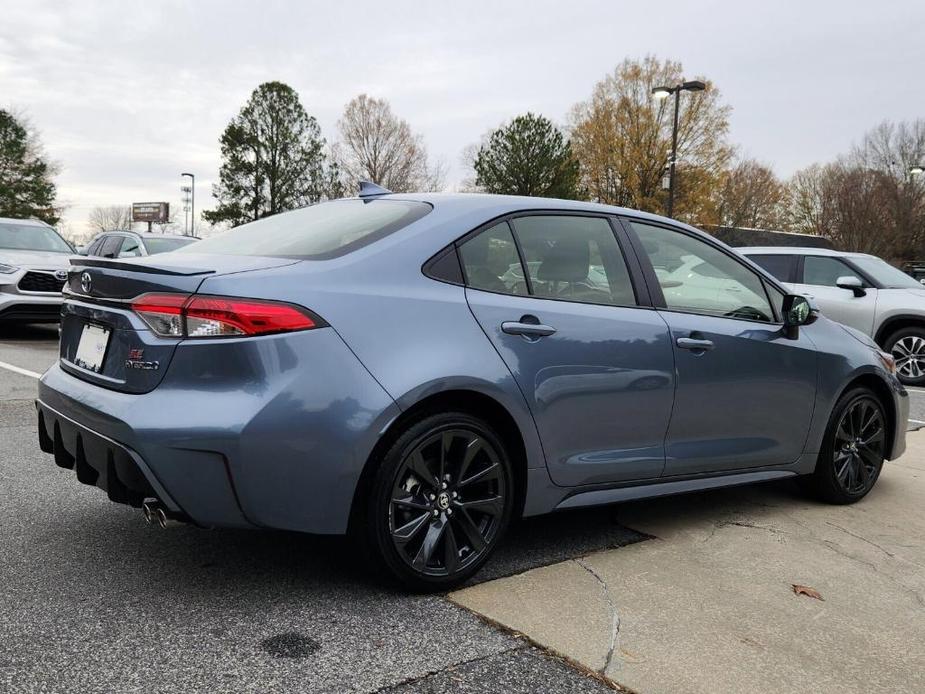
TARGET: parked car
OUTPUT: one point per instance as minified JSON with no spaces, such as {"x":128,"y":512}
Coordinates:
{"x":131,"y":244}
{"x":363,"y":365}
{"x":862,"y":291}
{"x":33,"y":268}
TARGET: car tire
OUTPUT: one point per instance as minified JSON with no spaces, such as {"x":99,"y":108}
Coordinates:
{"x":440,"y":502}
{"x":908,"y":348}
{"x":853,"y":450}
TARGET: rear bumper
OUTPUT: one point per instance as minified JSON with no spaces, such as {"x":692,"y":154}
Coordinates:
{"x":265,"y":432}
{"x":98,"y":460}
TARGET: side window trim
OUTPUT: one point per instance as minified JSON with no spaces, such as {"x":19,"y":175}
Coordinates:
{"x":652,"y":279}
{"x":635,"y":266}
{"x":528,"y":280}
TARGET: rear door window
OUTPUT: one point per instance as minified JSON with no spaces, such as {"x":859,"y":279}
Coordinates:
{"x":574,"y":258}
{"x":491,"y":262}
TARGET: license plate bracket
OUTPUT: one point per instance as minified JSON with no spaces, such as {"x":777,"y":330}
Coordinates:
{"x":91,"y":348}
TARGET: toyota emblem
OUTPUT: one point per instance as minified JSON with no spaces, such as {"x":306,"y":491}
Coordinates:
{"x":61,"y":274}
{"x":86,"y":282}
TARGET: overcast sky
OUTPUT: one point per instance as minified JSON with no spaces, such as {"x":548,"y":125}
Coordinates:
{"x":129,"y":94}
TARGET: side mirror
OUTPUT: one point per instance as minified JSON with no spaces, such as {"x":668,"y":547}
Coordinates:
{"x":797,"y":311}
{"x":851,"y":282}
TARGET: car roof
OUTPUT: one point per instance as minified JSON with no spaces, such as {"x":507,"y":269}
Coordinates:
{"x":27,"y":222}
{"x":798,"y":250}
{"x":146,"y":234}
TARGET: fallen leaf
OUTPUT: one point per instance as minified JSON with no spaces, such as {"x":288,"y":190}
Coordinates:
{"x":807,"y":591}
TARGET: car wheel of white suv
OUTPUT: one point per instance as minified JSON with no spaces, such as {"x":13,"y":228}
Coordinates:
{"x":908,"y":348}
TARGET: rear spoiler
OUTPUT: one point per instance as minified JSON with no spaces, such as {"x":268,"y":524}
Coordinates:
{"x":136,"y":267}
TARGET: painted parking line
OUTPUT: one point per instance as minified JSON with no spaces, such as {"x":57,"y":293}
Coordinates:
{"x":916,"y":421}
{"x":19,"y":370}
{"x":920,"y":391}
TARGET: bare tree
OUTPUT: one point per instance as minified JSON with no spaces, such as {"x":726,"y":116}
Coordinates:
{"x":868,"y":200}
{"x":749,"y":195}
{"x":111,"y":218}
{"x":378,"y":146}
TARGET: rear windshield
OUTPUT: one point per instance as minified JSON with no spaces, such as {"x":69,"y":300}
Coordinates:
{"x":321,"y":231}
{"x":163,"y":245}
{"x":32,"y":237}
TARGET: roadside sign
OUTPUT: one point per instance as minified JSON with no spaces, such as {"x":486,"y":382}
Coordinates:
{"x":157,"y":212}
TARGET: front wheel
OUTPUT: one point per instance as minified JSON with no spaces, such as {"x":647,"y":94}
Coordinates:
{"x":908,"y":349}
{"x":440,"y":502}
{"x":853,"y":450}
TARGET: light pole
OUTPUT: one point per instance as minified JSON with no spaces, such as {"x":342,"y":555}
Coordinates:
{"x":664,"y":93}
{"x":192,"y":225}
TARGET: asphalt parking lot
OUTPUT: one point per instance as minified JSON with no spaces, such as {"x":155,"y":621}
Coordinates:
{"x":92,"y":599}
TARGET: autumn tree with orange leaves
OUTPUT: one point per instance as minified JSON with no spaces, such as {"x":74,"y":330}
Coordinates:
{"x":622,"y":138}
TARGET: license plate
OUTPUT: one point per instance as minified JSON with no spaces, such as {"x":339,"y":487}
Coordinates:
{"x":92,"y":348}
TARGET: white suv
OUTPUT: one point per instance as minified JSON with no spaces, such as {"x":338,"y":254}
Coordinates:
{"x":34,"y":261}
{"x":859,"y":290}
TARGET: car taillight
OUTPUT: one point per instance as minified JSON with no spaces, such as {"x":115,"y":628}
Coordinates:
{"x":181,"y":315}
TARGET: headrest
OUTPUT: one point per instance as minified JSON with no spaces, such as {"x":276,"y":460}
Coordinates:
{"x":568,"y":260}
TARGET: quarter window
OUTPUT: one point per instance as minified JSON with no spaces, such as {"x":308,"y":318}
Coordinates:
{"x":780,"y":266}
{"x":574,"y":258}
{"x":825,"y":271}
{"x":698,"y":277}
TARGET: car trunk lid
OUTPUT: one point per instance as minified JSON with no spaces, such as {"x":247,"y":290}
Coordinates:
{"x":103,"y":341}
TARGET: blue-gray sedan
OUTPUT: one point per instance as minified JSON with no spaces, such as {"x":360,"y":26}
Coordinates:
{"x":424,"y":369}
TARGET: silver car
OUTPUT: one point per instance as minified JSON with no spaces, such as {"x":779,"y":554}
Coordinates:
{"x":859,"y":290}
{"x":34,"y":261}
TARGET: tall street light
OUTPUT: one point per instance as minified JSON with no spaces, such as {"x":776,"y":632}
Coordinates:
{"x":192,"y":202}
{"x":664,"y":93}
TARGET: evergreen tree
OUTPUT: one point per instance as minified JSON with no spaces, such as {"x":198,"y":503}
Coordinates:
{"x":272,"y":158}
{"x":26,"y":188}
{"x":528,"y":156}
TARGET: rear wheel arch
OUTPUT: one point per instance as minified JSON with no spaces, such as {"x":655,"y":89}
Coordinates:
{"x":469,"y":402}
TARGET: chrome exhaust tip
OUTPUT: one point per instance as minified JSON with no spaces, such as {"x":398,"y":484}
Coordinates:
{"x":147,"y":510}
{"x":161,"y":517}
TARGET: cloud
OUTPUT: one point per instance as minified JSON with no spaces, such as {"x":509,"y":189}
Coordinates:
{"x":128,"y":94}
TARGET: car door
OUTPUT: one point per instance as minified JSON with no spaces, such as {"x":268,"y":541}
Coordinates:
{"x":817,"y":278}
{"x":555,"y":295}
{"x":745,"y":391}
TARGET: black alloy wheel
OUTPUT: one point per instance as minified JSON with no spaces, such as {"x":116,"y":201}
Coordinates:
{"x":854,"y":449}
{"x":441,"y":501}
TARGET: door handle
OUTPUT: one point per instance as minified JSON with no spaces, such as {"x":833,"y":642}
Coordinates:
{"x":527,"y":328}
{"x":694,"y":344}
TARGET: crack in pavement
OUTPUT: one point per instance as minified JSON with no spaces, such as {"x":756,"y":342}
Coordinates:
{"x":862,"y":538}
{"x":448,"y":668}
{"x":614,"y":615}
